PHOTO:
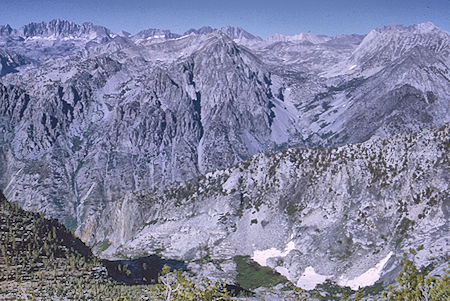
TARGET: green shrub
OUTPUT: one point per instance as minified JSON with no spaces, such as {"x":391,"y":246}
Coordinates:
{"x":251,"y":275}
{"x":414,"y":283}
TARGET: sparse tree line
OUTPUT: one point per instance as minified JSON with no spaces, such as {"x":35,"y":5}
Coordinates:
{"x":412,"y":284}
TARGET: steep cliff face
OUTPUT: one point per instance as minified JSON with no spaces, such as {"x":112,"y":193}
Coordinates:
{"x":83,"y":131}
{"x":339,"y":211}
{"x":401,"y":98}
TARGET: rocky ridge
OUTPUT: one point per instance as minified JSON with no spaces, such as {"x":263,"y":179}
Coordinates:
{"x":337,"y":211}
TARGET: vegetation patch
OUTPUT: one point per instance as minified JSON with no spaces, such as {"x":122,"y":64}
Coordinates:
{"x":251,"y":275}
{"x":331,"y":291}
{"x":373,"y":290}
{"x":102,"y":246}
{"x":76,"y":143}
{"x":152,"y":222}
{"x":292,"y":209}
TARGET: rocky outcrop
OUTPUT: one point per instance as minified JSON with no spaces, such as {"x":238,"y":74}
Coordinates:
{"x":9,"y":61}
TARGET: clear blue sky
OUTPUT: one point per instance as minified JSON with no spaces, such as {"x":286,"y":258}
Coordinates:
{"x":261,"y":17}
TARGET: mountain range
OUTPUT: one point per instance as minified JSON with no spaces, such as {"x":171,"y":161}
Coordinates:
{"x":329,"y":153}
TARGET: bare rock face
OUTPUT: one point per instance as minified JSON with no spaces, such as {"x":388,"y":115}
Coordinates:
{"x":9,"y":61}
{"x":89,"y":117}
{"x":105,"y":125}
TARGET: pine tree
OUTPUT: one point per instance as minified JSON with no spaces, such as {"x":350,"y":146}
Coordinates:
{"x":415,"y":284}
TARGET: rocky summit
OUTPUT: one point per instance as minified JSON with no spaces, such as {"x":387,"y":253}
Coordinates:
{"x":320,"y":157}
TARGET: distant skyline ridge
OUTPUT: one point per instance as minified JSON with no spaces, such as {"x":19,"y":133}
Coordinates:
{"x":59,"y":28}
{"x":261,"y":18}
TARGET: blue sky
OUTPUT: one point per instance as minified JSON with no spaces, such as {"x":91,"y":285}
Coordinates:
{"x":261,"y":17}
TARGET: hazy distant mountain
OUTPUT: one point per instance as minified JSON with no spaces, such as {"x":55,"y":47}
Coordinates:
{"x":40,"y":41}
{"x":63,"y":29}
{"x":149,"y":34}
{"x":235,"y":33}
{"x":303,"y":37}
{"x":201,"y":30}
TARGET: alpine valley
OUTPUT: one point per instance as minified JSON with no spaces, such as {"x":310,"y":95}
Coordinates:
{"x":323,"y":158}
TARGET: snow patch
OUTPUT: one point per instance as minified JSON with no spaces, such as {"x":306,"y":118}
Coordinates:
{"x":284,"y":121}
{"x":253,"y":145}
{"x":283,"y":271}
{"x":232,"y":182}
{"x":83,"y":199}
{"x":13,"y":178}
{"x":156,"y":37}
{"x":49,"y":38}
{"x":181,"y":38}
{"x":368,"y":278}
{"x":262,"y":256}
{"x":200,"y":150}
{"x":68,"y":38}
{"x":310,"y":279}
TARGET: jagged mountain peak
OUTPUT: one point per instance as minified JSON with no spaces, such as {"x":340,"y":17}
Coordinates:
{"x":124,"y":34}
{"x":43,"y":40}
{"x":5,"y":30}
{"x":204,"y":41}
{"x":170,"y":50}
{"x":58,"y":28}
{"x":219,"y":35}
{"x":219,"y":44}
{"x":55,"y":27}
{"x":237,"y":33}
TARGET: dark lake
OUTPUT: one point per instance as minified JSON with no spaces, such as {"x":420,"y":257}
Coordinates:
{"x":142,"y":270}
{"x":146,"y":270}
